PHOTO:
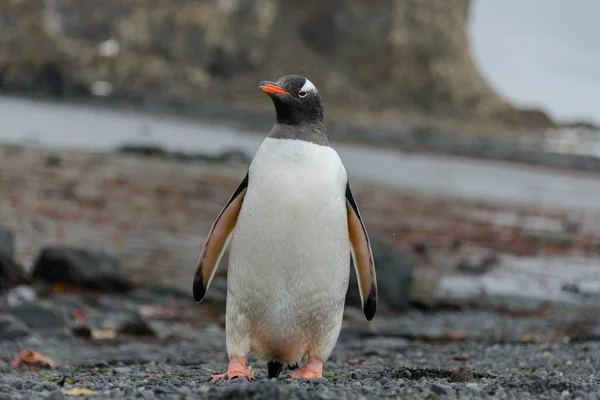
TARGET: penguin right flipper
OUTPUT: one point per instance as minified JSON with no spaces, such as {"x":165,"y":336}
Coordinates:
{"x":362,"y":257}
{"x":217,"y":240}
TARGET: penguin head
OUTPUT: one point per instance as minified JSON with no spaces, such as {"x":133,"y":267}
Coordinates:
{"x":296,"y":99}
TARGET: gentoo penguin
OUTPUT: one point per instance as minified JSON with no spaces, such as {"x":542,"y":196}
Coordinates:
{"x":292,"y":225}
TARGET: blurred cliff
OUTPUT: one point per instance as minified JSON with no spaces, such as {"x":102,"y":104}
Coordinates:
{"x":384,"y":61}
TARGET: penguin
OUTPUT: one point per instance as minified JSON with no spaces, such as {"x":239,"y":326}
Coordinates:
{"x":293,"y":227}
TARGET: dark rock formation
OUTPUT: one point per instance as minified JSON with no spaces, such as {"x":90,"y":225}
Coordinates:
{"x":95,"y":270}
{"x":7,"y":242}
{"x":379,"y":58}
{"x":40,"y":317}
{"x":12,"y":328}
{"x":11,"y":272}
{"x":394,"y":277}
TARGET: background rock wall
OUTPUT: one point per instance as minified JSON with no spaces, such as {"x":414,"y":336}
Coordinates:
{"x":370,"y":60}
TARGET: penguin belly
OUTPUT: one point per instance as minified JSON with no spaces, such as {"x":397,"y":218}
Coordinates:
{"x":290,"y":254}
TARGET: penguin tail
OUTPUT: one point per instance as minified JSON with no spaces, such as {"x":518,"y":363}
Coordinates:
{"x":274,"y":368}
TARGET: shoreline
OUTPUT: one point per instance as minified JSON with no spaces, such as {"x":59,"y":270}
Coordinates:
{"x":406,"y":139}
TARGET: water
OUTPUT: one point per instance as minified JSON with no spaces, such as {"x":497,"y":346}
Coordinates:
{"x":80,"y":127}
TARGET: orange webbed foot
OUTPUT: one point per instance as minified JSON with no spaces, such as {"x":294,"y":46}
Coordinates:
{"x":312,"y":370}
{"x":236,"y":369}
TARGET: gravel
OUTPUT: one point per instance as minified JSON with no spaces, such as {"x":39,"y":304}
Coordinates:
{"x":183,"y":371}
{"x":178,"y":360}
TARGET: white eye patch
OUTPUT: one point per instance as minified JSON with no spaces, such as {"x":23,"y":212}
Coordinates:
{"x":308,"y":87}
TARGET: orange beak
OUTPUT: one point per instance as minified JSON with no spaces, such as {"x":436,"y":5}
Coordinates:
{"x":271,"y":88}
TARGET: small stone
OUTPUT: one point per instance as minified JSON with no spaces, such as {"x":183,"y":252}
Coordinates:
{"x":56,"y":395}
{"x":184,"y":390}
{"x":473,"y":387}
{"x":136,"y":327}
{"x":462,"y":374}
{"x":122,"y":370}
{"x":441,"y":389}
{"x":12,"y":327}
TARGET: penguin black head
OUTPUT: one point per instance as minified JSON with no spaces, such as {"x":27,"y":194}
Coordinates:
{"x":296,"y":99}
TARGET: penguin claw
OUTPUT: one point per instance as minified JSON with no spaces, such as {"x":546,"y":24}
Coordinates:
{"x":312,"y":370}
{"x":232,"y":375}
{"x":236,"y":369}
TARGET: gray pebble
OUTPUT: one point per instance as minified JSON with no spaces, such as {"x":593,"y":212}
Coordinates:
{"x":56,"y":395}
{"x":441,"y":389}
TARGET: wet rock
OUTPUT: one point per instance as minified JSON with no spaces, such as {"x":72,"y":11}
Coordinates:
{"x":394,"y":276}
{"x":136,"y":327}
{"x":235,"y":157}
{"x":80,"y":267}
{"x":21,"y":294}
{"x":40,"y":317}
{"x":11,"y":272}
{"x":12,"y":327}
{"x":7,"y":242}
{"x":462,"y":374}
{"x":81,"y":331}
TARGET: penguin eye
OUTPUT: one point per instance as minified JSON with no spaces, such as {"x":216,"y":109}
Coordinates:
{"x":302,"y":94}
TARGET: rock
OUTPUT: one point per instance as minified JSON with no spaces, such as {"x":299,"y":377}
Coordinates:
{"x":80,"y":267}
{"x":11,"y":272}
{"x":122,"y":370}
{"x":462,"y":374}
{"x":40,"y":317}
{"x":394,"y":269}
{"x":7,"y":242}
{"x":136,"y":327}
{"x":21,"y":294}
{"x":193,"y":51}
{"x":56,"y":395}
{"x":12,"y":327}
{"x":440,"y":389}
{"x":473,"y":387}
{"x":476,"y":262}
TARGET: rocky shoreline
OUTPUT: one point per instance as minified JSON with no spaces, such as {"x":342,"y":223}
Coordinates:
{"x":477,"y":141}
{"x":94,"y":236}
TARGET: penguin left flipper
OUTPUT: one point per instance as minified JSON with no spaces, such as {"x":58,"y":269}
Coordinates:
{"x":217,"y":240}
{"x":362,"y":257}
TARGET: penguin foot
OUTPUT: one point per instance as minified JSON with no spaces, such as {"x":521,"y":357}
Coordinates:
{"x":313,"y":369}
{"x":236,"y":369}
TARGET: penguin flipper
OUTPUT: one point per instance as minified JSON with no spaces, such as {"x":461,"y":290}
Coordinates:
{"x":217,"y":240}
{"x":362,"y":257}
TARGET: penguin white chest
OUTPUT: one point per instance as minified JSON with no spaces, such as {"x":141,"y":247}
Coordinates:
{"x":290,"y":252}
